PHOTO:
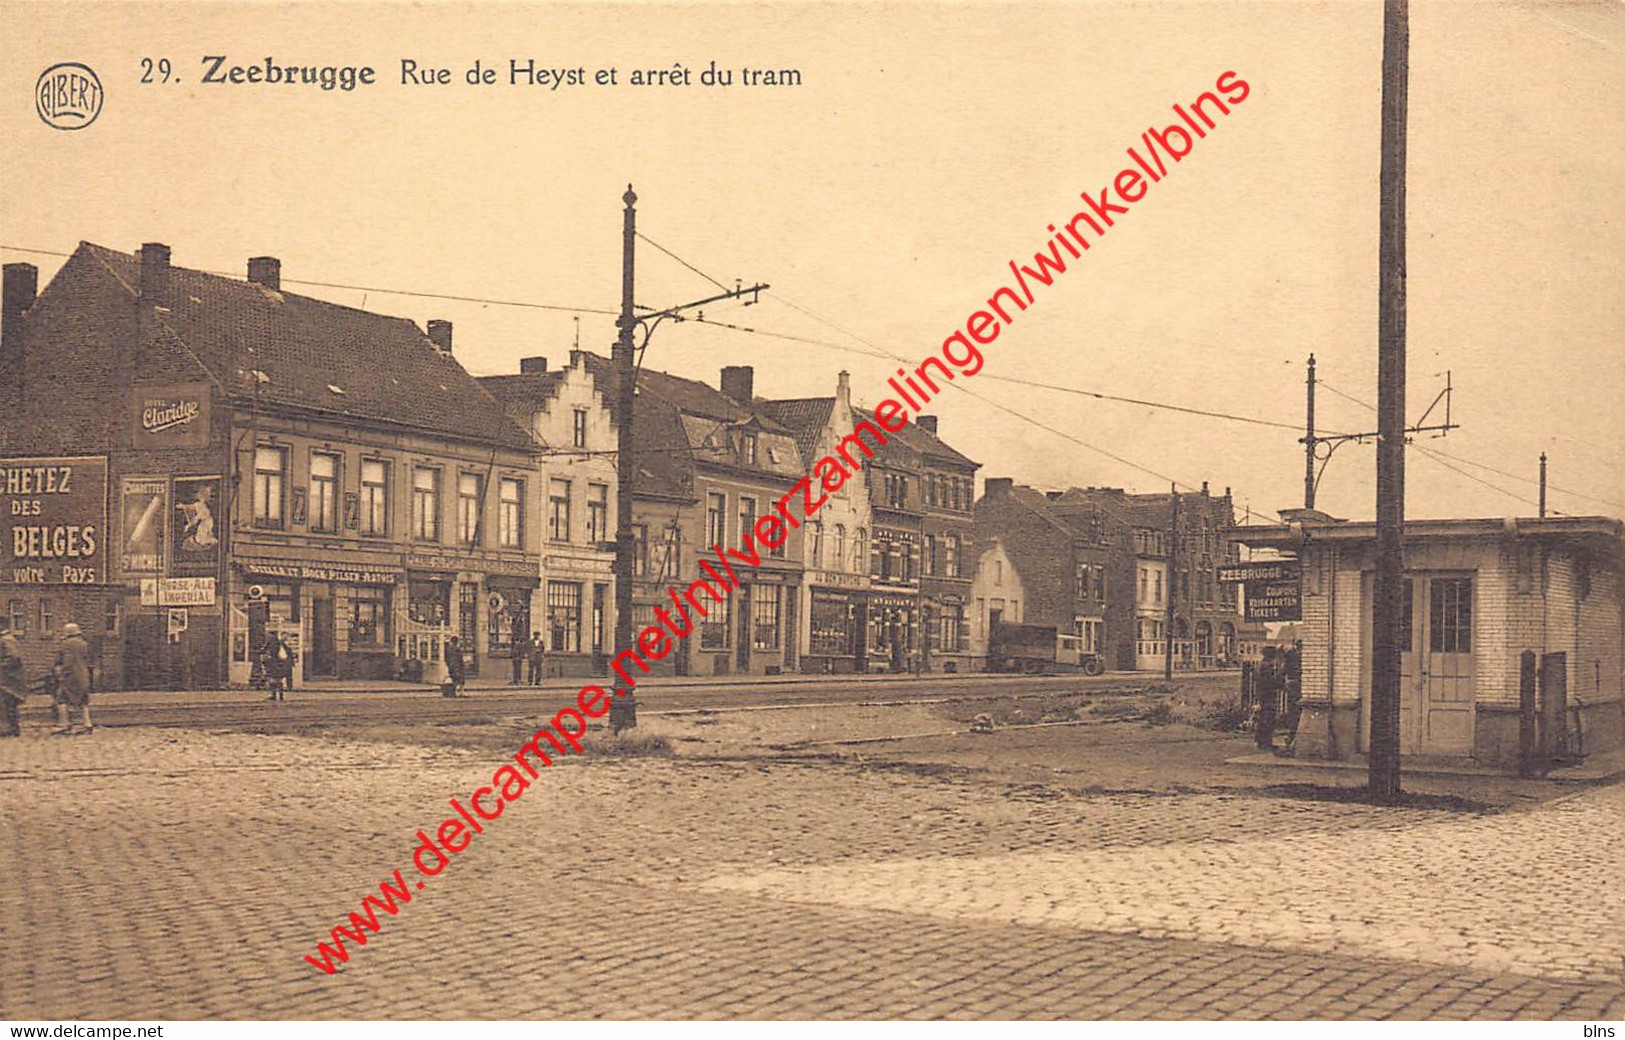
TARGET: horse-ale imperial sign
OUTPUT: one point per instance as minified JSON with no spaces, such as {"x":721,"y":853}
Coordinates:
{"x":175,"y":416}
{"x":55,"y":517}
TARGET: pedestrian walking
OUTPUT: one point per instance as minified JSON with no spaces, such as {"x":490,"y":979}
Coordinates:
{"x":537,"y":650}
{"x":13,"y":681}
{"x":72,"y":671}
{"x":521,"y":654}
{"x":278,"y":666}
{"x":1267,"y":687}
{"x":455,"y":668}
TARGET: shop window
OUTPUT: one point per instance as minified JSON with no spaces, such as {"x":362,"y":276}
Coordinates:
{"x":270,"y":482}
{"x":369,"y":617}
{"x":468,"y":615}
{"x":429,"y":602}
{"x":564,"y":617}
{"x":831,"y":627}
{"x":324,"y":491}
{"x":716,"y":514}
{"x":714,"y":629}
{"x":597,"y":512}
{"x":511,"y":513}
{"x":374,"y":497}
{"x":426,"y":503}
{"x":764,"y":621}
{"x":469,"y":497}
{"x":558,"y":510}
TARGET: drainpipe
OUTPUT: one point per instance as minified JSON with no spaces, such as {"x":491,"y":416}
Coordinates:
{"x":1331,"y":657}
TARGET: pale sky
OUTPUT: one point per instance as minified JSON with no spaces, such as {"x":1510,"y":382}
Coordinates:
{"x":927,"y":146}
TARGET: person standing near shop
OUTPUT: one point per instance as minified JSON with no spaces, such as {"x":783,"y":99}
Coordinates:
{"x":456,"y":674}
{"x":278,"y":666}
{"x":13,"y":681}
{"x":72,"y":669}
{"x":521,"y":654}
{"x":1267,"y":688}
{"x":537,"y":652}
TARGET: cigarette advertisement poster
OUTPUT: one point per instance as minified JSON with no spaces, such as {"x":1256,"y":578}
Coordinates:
{"x":141,"y":531}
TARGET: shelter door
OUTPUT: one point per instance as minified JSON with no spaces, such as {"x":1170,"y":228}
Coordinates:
{"x":1445,"y":699}
{"x":1410,"y":670}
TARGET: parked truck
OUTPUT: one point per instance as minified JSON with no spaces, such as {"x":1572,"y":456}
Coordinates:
{"x":1038,"y":648}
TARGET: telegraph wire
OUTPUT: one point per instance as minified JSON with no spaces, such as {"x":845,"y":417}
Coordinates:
{"x":680,"y":260}
{"x":1436,"y":457}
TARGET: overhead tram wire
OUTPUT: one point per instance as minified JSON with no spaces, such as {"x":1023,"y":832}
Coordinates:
{"x":1440,"y":454}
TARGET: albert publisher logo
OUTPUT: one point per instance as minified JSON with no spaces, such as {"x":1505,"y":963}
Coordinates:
{"x":68,"y":96}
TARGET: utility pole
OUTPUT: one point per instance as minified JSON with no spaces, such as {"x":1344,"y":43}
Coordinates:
{"x":1309,"y":442}
{"x":1387,"y":612}
{"x":1543,"y":485}
{"x":626,"y":465}
{"x":1173,"y":585}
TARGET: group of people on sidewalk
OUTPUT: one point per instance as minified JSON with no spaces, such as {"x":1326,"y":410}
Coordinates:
{"x":529,"y":651}
{"x":1277,"y":678}
{"x":67,"y":681}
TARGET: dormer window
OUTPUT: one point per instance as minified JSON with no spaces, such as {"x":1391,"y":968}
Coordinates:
{"x":747,"y":449}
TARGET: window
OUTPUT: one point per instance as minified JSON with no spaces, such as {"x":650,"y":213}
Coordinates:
{"x":468,"y":508}
{"x":714,"y":628}
{"x":1156,"y":587}
{"x":558,"y":510}
{"x":324,"y":491}
{"x":426,"y":504}
{"x":1145,"y":578}
{"x":578,"y":428}
{"x":838,"y":557}
{"x":1083,"y":581}
{"x":110,"y":617}
{"x":815,"y":555}
{"x":19,"y":617}
{"x":860,"y":550}
{"x":955,"y":492}
{"x":270,"y":478}
{"x":716,"y":512}
{"x":564,"y":617}
{"x":928,"y":555}
{"x":931,"y":484}
{"x":998,"y":573}
{"x":950,"y":556}
{"x":747,"y":449}
{"x":747,"y":518}
{"x":374,"y":497}
{"x":1450,"y":615}
{"x":47,"y":616}
{"x":597,"y":512}
{"x":949,"y":624}
{"x":672,"y":554}
{"x":369,"y":616}
{"x":640,"y":550}
{"x":764,"y":619}
{"x":511,"y":513}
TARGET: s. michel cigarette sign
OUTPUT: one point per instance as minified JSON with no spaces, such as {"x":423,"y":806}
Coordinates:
{"x":175,"y":416}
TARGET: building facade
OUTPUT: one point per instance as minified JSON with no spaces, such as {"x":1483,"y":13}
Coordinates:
{"x":273,"y":463}
{"x":1483,"y":600}
{"x":574,"y":613}
{"x":947,"y":485}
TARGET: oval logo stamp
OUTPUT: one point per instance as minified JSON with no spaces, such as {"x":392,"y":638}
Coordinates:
{"x":68,"y":96}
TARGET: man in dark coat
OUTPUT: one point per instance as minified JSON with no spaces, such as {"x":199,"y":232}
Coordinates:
{"x":1268,"y":686}
{"x":537,"y":651}
{"x":13,"y":681}
{"x":72,"y":669}
{"x":278,"y":666}
{"x":456,"y":673}
{"x":521,"y":653}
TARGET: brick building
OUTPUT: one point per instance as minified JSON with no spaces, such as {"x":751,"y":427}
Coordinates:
{"x":836,"y":587}
{"x":1478,"y":594}
{"x":947,"y":543}
{"x":566,"y":409}
{"x":709,"y":464}
{"x":273,"y":462}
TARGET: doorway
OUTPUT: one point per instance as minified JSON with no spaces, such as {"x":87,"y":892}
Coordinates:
{"x":323,"y":656}
{"x":1436,"y":672}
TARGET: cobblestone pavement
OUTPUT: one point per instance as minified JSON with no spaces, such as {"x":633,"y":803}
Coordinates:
{"x":181,"y":874}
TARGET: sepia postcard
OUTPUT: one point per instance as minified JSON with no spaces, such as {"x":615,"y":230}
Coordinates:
{"x":809,"y":512}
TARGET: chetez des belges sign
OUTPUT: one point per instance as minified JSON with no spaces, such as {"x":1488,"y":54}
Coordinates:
{"x":55,"y":513}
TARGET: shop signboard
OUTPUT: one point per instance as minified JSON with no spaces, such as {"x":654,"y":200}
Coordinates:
{"x":170,"y":416}
{"x":55,"y":512}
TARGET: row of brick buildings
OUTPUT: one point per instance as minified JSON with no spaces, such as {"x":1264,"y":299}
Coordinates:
{"x":193,"y":461}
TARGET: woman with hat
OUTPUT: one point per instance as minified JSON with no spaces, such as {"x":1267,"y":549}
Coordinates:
{"x":72,"y":670}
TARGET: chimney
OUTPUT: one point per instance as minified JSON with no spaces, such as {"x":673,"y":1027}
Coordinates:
{"x":154,"y":272}
{"x":266,"y":271}
{"x":440,"y":334}
{"x":926,"y":422}
{"x":843,"y":389}
{"x":532,"y":365}
{"x":738,"y":381}
{"x":20,"y":286}
{"x":1204,"y":489}
{"x":997,"y":486}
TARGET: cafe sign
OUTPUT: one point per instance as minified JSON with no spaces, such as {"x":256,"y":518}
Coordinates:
{"x":305,"y":571}
{"x":55,"y":517}
{"x":173,"y":416}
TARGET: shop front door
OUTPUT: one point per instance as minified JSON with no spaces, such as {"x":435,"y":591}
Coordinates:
{"x":323,"y":654}
{"x":1435,"y":666}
